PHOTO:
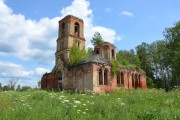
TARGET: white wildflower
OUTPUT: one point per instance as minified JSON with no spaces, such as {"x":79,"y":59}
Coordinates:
{"x":77,"y":102}
{"x":66,"y":100}
{"x":74,"y":106}
{"x":122,"y":103}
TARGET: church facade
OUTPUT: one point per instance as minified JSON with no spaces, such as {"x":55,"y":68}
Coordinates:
{"x":93,"y":74}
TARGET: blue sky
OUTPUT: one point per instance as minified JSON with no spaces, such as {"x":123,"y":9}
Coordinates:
{"x":28,"y":29}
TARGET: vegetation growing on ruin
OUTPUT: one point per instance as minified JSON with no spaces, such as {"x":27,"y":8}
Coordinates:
{"x":118,"y":105}
{"x":97,"y":39}
{"x":115,"y":67}
{"x":77,"y":55}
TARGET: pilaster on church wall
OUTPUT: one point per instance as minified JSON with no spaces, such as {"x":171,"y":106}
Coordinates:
{"x":113,"y":80}
{"x":143,"y":81}
{"x":130,"y":80}
{"x":125,"y":79}
{"x":95,"y":77}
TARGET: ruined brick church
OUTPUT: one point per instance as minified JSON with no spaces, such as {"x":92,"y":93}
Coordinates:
{"x":93,"y":74}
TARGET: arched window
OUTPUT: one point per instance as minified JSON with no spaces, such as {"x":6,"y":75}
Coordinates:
{"x":105,"y":77}
{"x":122,"y":78}
{"x":78,"y":44}
{"x":112,"y":53}
{"x":100,"y":77}
{"x":63,"y":29}
{"x":132,"y":80}
{"x":139,"y":77}
{"x":76,"y":29}
{"x":136,"y":80}
{"x":118,"y":79}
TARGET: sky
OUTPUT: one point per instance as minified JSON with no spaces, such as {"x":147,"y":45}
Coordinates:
{"x":29,"y":30}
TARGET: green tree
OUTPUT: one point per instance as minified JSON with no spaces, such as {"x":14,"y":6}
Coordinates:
{"x":77,"y":55}
{"x":96,"y":39}
{"x":25,"y":88}
{"x":12,"y":83}
{"x":18,"y":88}
{"x":90,"y":51}
{"x":150,"y":83}
{"x":172,"y":37}
{"x":144,"y":56}
{"x":6,"y":88}
{"x":74,"y":54}
{"x":83,"y":54}
{"x":137,"y":61}
{"x":127,"y":57}
{"x":160,"y":63}
{"x":125,"y":62}
{"x":115,"y":67}
{"x":0,"y":87}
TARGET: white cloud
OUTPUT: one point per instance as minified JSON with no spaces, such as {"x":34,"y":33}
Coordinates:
{"x":24,"y":77}
{"x":25,"y":38}
{"x":127,"y":13}
{"x":28,"y":39}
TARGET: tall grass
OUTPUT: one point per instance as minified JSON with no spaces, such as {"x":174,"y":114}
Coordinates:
{"x":118,"y":105}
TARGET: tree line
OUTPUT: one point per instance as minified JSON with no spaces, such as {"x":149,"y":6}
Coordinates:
{"x":12,"y":86}
{"x":160,"y":59}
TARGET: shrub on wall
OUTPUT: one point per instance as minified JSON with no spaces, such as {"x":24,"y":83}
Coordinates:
{"x":77,"y":55}
{"x":115,"y":66}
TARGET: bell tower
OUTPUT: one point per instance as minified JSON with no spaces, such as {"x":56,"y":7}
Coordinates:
{"x":71,"y":30}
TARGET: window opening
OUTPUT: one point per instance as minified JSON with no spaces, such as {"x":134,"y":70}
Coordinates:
{"x":100,"y":77}
{"x":76,"y":29}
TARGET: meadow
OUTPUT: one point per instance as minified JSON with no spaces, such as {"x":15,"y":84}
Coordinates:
{"x":149,"y":104}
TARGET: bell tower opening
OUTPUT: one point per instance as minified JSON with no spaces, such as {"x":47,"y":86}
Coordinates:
{"x":62,"y":29}
{"x":76,"y":29}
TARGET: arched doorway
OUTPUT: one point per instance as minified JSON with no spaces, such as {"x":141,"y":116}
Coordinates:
{"x":59,"y":82}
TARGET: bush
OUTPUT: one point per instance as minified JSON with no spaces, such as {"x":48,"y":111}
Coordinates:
{"x":150,"y":82}
{"x":115,"y":67}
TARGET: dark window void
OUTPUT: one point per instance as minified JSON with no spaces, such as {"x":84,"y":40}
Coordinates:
{"x":76,"y":29}
{"x":100,"y":77}
{"x":118,"y":79}
{"x":139,"y":78}
{"x":132,"y":80}
{"x":97,"y":51}
{"x":78,"y":44}
{"x":59,"y":82}
{"x":122,"y":79}
{"x":63,"y":29}
{"x":105,"y":77}
{"x":112,"y":52}
{"x":136,"y":81}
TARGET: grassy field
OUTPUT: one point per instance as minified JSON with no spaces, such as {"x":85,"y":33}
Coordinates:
{"x":137,"y":104}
